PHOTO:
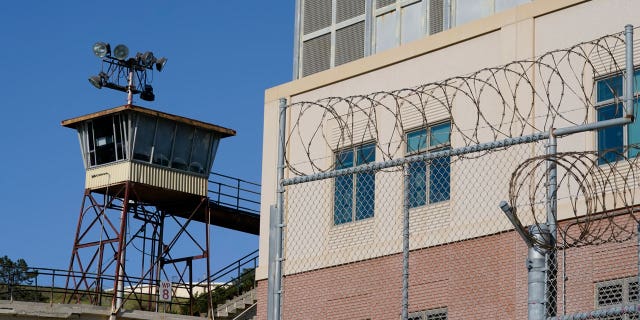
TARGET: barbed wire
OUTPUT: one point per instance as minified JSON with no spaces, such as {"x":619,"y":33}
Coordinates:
{"x":598,"y":191}
{"x":490,"y":104}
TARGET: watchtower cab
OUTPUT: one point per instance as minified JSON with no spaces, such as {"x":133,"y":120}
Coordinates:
{"x":167,"y":155}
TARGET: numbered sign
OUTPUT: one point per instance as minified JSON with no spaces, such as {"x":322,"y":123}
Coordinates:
{"x":165,"y":291}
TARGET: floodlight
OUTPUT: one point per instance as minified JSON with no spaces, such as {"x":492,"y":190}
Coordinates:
{"x":101,"y":49}
{"x":99,"y":80}
{"x":96,"y":81}
{"x":121,"y":52}
{"x":121,"y":66}
{"x":160,"y":63}
{"x":147,"y":93}
{"x":148,"y":59}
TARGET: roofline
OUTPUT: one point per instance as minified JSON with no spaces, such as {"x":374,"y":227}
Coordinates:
{"x":74,"y":122}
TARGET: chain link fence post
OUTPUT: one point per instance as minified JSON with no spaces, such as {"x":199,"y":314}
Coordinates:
{"x":405,"y":242}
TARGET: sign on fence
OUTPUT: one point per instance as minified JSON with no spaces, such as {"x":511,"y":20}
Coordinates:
{"x":165,"y":293}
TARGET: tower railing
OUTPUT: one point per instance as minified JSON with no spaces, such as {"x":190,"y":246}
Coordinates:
{"x":234,"y":193}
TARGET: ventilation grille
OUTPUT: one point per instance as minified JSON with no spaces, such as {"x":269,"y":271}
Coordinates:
{"x":610,"y":295}
{"x":633,"y":291}
{"x":384,"y":3}
{"x":436,"y":16}
{"x":316,"y":15}
{"x":349,"y":43}
{"x":316,"y":54}
{"x":347,"y":9}
{"x":437,"y":316}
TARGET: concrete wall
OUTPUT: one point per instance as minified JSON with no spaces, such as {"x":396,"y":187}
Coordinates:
{"x":33,"y":311}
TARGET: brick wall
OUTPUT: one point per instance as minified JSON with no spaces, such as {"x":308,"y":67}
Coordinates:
{"x":483,"y":278}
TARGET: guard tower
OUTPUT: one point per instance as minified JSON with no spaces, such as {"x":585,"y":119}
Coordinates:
{"x":146,"y":184}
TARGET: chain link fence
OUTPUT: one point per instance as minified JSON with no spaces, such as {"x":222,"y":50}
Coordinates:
{"x":344,"y":240}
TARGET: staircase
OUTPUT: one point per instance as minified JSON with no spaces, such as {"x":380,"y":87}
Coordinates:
{"x":242,"y":307}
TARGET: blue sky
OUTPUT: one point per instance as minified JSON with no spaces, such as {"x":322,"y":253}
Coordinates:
{"x":222,"y":55}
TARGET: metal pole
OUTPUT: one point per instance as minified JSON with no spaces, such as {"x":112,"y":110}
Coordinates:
{"x":120,"y":260}
{"x":276,"y":293}
{"x":552,"y":218}
{"x":536,"y":277}
{"x":130,"y":88}
{"x":405,"y":245}
{"x":628,"y":85}
{"x":273,"y":234}
{"x":209,"y":255}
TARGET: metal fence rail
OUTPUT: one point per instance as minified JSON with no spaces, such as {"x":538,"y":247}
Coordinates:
{"x":48,"y":285}
{"x":234,"y":193}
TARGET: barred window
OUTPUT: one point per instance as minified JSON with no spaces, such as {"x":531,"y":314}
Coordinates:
{"x":611,"y":140}
{"x":429,"y":182}
{"x":354,"y":195}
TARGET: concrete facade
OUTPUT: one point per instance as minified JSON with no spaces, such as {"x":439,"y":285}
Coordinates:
{"x":33,"y":310}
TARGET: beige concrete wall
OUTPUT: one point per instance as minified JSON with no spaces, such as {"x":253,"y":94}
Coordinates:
{"x":523,"y":32}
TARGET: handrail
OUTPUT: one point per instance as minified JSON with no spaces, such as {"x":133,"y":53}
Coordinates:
{"x":48,"y":284}
{"x":234,"y":267}
{"x":234,"y":193}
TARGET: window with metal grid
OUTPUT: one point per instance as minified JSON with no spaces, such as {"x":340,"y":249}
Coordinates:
{"x":349,"y":43}
{"x":316,"y":54}
{"x":317,"y":15}
{"x":347,"y":9}
{"x":611,"y":140}
{"x":429,"y":182}
{"x":354,"y":195}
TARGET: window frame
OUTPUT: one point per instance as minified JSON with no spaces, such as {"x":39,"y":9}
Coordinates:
{"x":338,"y":217}
{"x":616,"y":101}
{"x":369,"y":18}
{"x":427,"y":170}
{"x":178,"y":131}
{"x":115,"y":125}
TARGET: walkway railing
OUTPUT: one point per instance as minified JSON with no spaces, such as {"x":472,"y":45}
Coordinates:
{"x":234,"y":193}
{"x":48,"y":285}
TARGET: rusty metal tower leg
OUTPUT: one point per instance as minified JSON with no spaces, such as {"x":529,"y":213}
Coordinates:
{"x":117,"y":300}
{"x":134,"y":253}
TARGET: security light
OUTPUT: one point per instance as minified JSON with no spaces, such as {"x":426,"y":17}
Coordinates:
{"x":147,"y":93}
{"x":130,"y":75}
{"x":148,"y":59}
{"x":99,"y":81}
{"x":101,"y":49}
{"x":121,"y":52}
{"x":160,"y":63}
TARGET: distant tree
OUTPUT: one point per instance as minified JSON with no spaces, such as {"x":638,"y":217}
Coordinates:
{"x":15,"y":279}
{"x":222,"y":293}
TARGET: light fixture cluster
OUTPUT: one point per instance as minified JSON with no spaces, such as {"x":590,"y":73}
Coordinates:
{"x":122,"y":68}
